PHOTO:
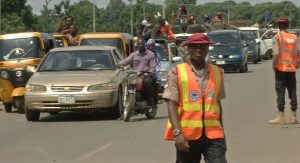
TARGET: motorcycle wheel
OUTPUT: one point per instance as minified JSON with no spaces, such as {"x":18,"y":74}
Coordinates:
{"x":151,"y":112}
{"x":128,"y":107}
{"x":7,"y":107}
{"x":19,"y":102}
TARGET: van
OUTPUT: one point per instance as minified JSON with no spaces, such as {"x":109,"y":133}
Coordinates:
{"x":122,"y":41}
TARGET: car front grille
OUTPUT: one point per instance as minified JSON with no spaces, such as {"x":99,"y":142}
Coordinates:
{"x":66,"y":88}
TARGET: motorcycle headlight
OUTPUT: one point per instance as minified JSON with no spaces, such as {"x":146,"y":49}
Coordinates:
{"x":35,"y":88}
{"x":234,"y":56}
{"x":4,"y":74}
{"x":104,"y":86}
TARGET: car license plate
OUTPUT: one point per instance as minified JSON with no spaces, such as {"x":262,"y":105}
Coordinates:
{"x":66,"y":100}
{"x":220,"y":62}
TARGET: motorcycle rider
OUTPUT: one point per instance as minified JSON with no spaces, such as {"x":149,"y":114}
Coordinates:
{"x":141,"y":61}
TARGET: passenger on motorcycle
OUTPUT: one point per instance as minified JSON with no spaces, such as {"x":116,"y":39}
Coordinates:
{"x":151,"y":46}
{"x":143,"y":61}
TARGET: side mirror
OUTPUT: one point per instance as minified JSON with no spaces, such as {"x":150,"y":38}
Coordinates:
{"x":257,"y":41}
{"x":177,"y":59}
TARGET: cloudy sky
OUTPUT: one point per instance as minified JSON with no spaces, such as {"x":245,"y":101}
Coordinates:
{"x":37,"y":4}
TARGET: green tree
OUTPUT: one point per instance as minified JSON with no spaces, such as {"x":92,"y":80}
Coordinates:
{"x":16,"y":11}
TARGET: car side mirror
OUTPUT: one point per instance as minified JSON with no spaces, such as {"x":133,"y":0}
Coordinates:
{"x":257,"y":41}
{"x":177,"y":59}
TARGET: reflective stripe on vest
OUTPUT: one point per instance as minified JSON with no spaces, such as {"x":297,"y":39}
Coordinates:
{"x":190,"y":105}
{"x":288,"y":53}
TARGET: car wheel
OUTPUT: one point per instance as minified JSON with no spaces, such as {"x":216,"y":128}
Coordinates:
{"x":118,"y":110}
{"x":243,"y":68}
{"x":7,"y":107}
{"x":32,"y":115}
{"x":19,"y":102}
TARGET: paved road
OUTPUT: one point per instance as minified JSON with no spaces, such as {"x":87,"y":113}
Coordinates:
{"x":94,"y":138}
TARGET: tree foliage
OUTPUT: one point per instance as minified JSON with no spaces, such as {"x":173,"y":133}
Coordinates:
{"x":18,"y":17}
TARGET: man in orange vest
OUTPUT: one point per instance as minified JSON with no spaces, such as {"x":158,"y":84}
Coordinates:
{"x":286,"y":50}
{"x":193,"y":93}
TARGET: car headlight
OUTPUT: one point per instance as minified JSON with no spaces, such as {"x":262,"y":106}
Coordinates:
{"x":234,"y":56}
{"x":4,"y":74}
{"x":104,"y":86}
{"x":250,"y":52}
{"x":35,"y":88}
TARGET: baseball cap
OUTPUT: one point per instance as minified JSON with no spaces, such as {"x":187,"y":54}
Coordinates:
{"x":198,"y":38}
{"x":282,"y":20}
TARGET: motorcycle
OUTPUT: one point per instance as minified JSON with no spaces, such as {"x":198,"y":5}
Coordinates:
{"x":134,"y":100}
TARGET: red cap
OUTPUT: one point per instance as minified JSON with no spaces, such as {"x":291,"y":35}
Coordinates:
{"x":198,"y":38}
{"x":282,"y":20}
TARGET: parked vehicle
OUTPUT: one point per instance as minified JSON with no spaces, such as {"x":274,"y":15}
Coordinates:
{"x":134,"y":97}
{"x":78,"y":78}
{"x":266,"y":45}
{"x":17,"y":52}
{"x":122,"y":41}
{"x":252,"y":37}
{"x":229,"y":50}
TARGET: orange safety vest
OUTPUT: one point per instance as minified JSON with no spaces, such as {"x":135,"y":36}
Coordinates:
{"x":288,"y":53}
{"x":196,"y":109}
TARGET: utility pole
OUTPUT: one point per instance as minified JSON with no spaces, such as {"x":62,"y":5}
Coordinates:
{"x":228,"y":17}
{"x":131,"y":17}
{"x":0,"y":17}
{"x":290,"y":16}
{"x":94,"y":17}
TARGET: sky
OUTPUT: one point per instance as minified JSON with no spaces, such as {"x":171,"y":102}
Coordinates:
{"x":37,"y":4}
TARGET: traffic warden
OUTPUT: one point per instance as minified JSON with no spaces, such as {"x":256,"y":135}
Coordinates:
{"x":286,"y":50}
{"x":193,"y":93}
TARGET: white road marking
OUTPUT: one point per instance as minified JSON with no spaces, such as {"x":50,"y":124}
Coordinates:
{"x":95,"y":151}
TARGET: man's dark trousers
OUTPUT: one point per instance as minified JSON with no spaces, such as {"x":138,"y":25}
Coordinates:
{"x":213,"y":151}
{"x":285,"y":80}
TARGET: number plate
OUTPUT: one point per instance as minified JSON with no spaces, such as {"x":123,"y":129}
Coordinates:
{"x":220,"y":62}
{"x":66,"y":100}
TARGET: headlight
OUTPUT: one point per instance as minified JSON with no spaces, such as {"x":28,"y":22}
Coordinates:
{"x":104,"y":86}
{"x":250,"y":52}
{"x":4,"y":74}
{"x":35,"y":88}
{"x":234,"y":56}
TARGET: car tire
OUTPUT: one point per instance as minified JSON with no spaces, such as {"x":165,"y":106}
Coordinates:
{"x":32,"y":115}
{"x":19,"y":102}
{"x":117,"y":111}
{"x":7,"y":107}
{"x":243,"y":68}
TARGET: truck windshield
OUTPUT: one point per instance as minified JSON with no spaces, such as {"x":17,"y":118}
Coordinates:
{"x":116,"y":42}
{"x":20,"y":48}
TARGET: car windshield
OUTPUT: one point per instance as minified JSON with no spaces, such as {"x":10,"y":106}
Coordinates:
{"x":77,"y":61}
{"x":225,"y":39}
{"x":225,"y":50}
{"x":20,"y":48}
{"x":116,"y":42}
{"x":162,"y":54}
{"x":249,"y":35}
